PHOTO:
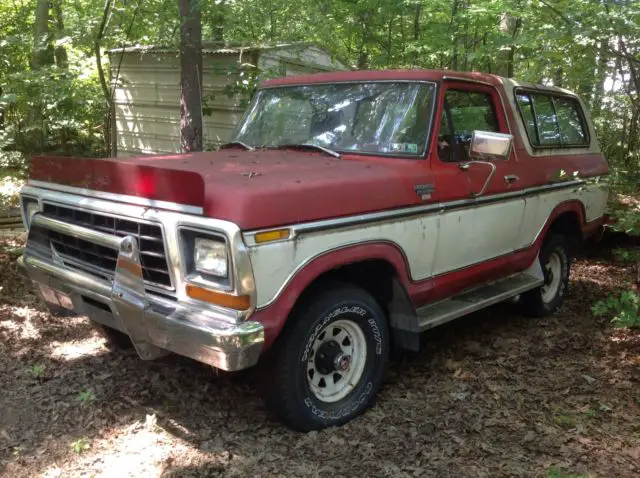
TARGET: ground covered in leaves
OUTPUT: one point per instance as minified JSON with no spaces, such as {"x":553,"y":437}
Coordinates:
{"x":494,"y":394}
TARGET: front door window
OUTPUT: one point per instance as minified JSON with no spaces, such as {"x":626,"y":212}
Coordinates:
{"x":464,"y":112}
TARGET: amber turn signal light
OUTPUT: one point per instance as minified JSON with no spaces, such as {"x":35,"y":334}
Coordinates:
{"x":269,"y":236}
{"x":237,"y":302}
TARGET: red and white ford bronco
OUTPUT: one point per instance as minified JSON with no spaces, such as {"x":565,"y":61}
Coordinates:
{"x":351,"y":212}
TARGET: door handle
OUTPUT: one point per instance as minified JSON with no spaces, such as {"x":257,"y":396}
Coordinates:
{"x":511,"y":178}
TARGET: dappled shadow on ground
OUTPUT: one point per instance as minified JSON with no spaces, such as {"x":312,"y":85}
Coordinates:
{"x":493,"y":394}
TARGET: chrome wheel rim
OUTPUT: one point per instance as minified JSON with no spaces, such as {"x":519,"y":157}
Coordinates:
{"x":336,"y":362}
{"x":552,"y":277}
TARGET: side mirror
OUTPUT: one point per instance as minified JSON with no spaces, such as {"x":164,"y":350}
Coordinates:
{"x":489,"y":145}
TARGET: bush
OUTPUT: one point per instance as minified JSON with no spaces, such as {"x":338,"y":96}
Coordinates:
{"x":626,"y":308}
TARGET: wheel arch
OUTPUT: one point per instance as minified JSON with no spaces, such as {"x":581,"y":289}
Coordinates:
{"x":380,"y":268}
{"x":567,"y":218}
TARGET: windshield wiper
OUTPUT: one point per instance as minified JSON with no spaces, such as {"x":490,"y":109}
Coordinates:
{"x":237,"y":143}
{"x":330,"y":152}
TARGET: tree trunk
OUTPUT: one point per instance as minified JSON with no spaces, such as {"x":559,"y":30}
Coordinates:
{"x":601,"y":75}
{"x":190,"y":76}
{"x":60,"y":51}
{"x":42,"y":54}
{"x":416,"y":32}
{"x":217,"y":27}
{"x":508,"y":26}
{"x":109,"y":133}
{"x":454,"y":27}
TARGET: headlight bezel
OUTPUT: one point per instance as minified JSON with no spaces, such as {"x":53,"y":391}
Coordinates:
{"x":187,"y":237}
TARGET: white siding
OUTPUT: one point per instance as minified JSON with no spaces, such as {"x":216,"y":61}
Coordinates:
{"x":147,"y":103}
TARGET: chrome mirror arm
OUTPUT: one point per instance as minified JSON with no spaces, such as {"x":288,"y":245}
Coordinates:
{"x":467,"y":164}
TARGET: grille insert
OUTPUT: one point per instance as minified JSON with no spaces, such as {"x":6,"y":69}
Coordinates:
{"x":98,"y":260}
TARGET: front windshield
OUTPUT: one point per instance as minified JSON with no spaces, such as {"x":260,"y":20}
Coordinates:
{"x":374,"y":117}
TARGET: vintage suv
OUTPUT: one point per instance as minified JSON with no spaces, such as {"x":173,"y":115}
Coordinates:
{"x":351,"y":212}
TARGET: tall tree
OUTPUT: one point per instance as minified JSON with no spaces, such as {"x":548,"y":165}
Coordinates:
{"x":41,"y":56}
{"x":62,"y":60}
{"x":42,"y":53}
{"x":190,"y":76}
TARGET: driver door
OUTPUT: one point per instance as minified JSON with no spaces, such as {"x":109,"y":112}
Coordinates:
{"x":478,"y":223}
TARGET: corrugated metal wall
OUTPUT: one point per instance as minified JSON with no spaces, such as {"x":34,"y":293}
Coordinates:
{"x":147,"y":102}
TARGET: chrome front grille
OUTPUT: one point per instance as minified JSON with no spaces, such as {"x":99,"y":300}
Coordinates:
{"x":101,"y":261}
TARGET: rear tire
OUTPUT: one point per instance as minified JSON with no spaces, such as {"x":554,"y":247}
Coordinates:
{"x":114,"y":339}
{"x":329,"y":362}
{"x":555,"y":260}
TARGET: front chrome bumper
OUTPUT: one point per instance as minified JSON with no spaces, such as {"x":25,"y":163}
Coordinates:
{"x":155,"y":325}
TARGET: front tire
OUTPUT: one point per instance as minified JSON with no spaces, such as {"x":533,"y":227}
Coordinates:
{"x":555,"y":260}
{"x":330,"y":361}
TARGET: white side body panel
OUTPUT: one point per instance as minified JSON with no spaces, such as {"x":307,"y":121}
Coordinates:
{"x":434,"y":243}
{"x":469,"y":236}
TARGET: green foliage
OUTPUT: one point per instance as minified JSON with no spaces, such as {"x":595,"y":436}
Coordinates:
{"x":625,"y":308}
{"x":80,"y":445}
{"x":597,"y":410}
{"x":584,"y":45}
{"x":86,"y":397}
{"x":553,"y":472}
{"x":37,"y":371}
{"x":628,"y":256}
{"x":564,"y":421}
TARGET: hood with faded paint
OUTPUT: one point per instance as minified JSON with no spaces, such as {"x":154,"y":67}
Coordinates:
{"x":254,"y":189}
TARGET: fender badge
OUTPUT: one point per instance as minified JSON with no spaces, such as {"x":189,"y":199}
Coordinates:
{"x":424,"y":190}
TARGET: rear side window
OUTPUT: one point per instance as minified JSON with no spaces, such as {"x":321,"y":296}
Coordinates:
{"x":552,"y":120}
{"x":572,"y":127}
{"x":547,"y":121}
{"x":525,"y":105}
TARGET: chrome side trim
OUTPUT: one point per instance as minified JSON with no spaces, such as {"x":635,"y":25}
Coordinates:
{"x":166,"y":205}
{"x":316,"y":226}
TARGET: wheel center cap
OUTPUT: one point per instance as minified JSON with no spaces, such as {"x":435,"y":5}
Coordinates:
{"x":342,"y":362}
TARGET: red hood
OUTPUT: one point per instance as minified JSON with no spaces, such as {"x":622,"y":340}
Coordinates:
{"x":252,"y":189}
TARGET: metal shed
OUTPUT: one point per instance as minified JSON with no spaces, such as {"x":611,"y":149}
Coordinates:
{"x":147,"y":93}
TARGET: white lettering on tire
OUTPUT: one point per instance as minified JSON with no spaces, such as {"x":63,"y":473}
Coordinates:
{"x":337,"y":413}
{"x":318,"y":328}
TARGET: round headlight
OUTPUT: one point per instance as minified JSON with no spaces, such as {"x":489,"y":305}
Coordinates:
{"x":210,"y":257}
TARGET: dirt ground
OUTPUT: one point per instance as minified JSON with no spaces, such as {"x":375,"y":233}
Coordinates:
{"x":494,"y":394}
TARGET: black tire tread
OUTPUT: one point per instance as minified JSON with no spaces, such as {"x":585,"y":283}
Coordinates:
{"x":274,"y":377}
